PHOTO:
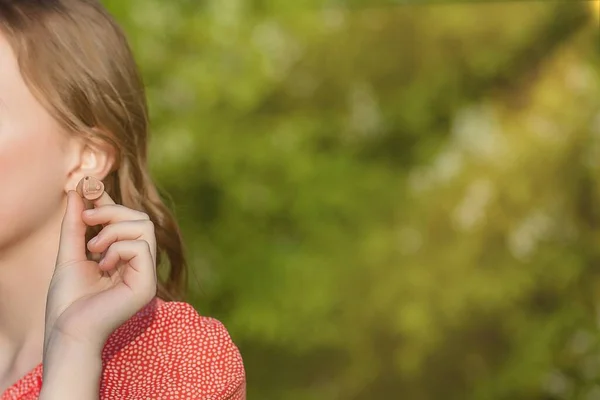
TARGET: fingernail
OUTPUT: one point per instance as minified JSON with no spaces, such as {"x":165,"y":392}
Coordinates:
{"x":89,"y":212}
{"x":102,"y":261}
{"x":93,"y":240}
{"x":92,"y":188}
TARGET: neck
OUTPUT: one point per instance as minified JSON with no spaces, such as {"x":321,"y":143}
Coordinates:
{"x":26,"y":269}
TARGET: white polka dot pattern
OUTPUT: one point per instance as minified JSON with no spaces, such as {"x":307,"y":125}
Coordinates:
{"x":166,"y":351}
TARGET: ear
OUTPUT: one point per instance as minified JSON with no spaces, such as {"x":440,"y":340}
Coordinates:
{"x":90,"y":157}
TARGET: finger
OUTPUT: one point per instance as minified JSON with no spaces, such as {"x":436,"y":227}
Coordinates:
{"x":140,"y":274}
{"x":103,"y":200}
{"x":112,"y":213}
{"x":125,"y":230}
{"x":72,"y":232}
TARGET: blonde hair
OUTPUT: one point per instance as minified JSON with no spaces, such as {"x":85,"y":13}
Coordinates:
{"x":77,"y":62}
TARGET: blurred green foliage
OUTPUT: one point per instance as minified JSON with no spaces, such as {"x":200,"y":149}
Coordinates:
{"x":385,"y":201}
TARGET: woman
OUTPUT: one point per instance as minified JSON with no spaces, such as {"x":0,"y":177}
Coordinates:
{"x":78,"y":283}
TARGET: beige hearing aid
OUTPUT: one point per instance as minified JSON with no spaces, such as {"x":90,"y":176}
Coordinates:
{"x":90,"y":188}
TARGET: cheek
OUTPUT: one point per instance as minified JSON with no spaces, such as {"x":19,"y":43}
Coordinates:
{"x":30,"y":180}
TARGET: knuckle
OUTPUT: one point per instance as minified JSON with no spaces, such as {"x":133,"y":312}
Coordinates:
{"x":149,"y":225}
{"x":142,"y":244}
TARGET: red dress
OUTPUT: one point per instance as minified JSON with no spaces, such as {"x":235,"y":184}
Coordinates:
{"x":166,"y":351}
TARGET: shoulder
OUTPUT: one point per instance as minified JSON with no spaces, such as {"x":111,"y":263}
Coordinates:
{"x":168,"y":350}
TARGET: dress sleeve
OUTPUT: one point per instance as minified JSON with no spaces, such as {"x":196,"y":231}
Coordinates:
{"x":174,"y":354}
{"x":207,"y":363}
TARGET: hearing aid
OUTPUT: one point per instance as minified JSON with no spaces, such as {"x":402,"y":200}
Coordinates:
{"x":90,"y":188}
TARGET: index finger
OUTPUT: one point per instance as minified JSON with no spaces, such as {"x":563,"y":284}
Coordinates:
{"x":72,"y":232}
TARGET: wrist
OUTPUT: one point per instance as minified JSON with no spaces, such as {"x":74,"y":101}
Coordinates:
{"x":71,"y":369}
{"x":57,"y":339}
{"x":58,"y":346}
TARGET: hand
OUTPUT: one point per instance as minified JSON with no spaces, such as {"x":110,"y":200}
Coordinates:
{"x":88,"y":300}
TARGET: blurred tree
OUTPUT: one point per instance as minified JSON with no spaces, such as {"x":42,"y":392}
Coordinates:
{"x":385,"y":202}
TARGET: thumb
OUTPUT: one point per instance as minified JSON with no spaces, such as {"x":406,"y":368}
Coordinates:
{"x":72,"y":233}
